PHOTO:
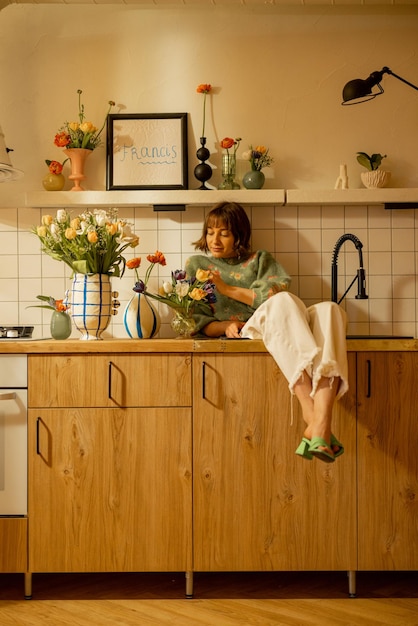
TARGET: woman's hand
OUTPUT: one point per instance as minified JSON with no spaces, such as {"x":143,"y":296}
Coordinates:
{"x":230,"y":329}
{"x":241,"y":294}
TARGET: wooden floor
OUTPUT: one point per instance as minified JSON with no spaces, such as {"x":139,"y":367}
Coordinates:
{"x":247,"y":599}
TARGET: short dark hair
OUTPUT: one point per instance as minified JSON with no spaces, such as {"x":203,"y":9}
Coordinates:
{"x":235,"y":219}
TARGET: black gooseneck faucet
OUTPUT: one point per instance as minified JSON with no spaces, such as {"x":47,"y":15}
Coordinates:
{"x":360,"y":276}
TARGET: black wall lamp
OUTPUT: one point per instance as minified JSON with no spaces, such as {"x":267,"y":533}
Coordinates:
{"x":359,"y":90}
{"x":7,"y":171}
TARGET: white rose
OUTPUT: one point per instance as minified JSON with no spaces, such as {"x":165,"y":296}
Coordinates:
{"x":101,"y":217}
{"x":246,"y":155}
{"x":167,"y":287}
{"x":61,"y":216}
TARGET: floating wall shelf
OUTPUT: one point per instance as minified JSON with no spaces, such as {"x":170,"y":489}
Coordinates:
{"x":392,"y":197}
{"x":352,"y":196}
{"x":193,"y":197}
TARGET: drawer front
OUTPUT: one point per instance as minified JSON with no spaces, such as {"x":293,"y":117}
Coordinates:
{"x":109,"y":380}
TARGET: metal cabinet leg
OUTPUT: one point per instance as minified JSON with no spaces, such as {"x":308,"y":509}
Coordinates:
{"x":189,"y":584}
{"x":28,"y":585}
{"x":351,"y":584}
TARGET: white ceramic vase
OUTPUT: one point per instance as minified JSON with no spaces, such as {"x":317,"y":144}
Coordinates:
{"x":91,"y":304}
{"x":141,"y":319}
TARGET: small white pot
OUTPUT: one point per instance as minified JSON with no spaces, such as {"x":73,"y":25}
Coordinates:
{"x":375,"y":178}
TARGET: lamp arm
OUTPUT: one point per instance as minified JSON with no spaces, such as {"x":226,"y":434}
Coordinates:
{"x":386,"y":70}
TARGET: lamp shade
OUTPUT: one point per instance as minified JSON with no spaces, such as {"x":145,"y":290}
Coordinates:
{"x":7,"y":171}
{"x":359,"y":90}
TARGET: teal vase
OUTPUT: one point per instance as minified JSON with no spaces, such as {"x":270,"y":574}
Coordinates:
{"x":254,"y":179}
{"x":60,"y":325}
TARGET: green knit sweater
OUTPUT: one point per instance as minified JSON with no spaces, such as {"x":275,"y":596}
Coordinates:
{"x":259,"y":272}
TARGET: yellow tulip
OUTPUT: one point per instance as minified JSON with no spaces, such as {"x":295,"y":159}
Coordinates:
{"x":41,"y":231}
{"x":197,"y":294}
{"x":92,"y":236}
{"x":70,"y":233}
{"x":202,"y":275}
{"x":47,"y":220}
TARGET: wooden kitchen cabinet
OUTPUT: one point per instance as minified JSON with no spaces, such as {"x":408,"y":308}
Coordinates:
{"x":257,"y":505}
{"x":387,"y":460}
{"x":110,"y":489}
{"x":109,"y":380}
{"x":13,"y":544}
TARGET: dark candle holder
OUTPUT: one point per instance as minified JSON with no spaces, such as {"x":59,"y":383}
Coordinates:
{"x":203,"y":171}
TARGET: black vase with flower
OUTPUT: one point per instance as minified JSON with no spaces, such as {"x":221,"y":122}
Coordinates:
{"x":203,"y":171}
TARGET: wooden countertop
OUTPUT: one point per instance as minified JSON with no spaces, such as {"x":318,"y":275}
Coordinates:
{"x":76,"y":346}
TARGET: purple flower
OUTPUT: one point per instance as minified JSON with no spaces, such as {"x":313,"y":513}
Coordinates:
{"x":178,"y":275}
{"x":140,"y":287}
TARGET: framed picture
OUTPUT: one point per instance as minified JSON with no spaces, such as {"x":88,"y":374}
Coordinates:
{"x":147,"y":151}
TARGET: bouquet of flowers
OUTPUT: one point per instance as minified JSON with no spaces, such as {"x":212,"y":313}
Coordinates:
{"x":259,"y":157}
{"x":81,"y":134}
{"x":181,"y":293}
{"x":91,"y":243}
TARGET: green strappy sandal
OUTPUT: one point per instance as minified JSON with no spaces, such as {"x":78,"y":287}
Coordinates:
{"x":303,"y":449}
{"x":323,"y":455}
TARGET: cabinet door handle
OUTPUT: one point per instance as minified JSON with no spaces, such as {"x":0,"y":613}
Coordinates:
{"x":368,"y":378}
{"x":109,"y":381}
{"x":38,"y":425}
{"x":204,"y":380}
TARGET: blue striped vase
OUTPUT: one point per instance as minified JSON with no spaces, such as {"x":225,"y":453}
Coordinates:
{"x":140,"y":318}
{"x":91,"y":304}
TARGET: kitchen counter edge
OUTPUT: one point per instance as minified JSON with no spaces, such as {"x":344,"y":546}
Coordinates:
{"x":106,"y":346}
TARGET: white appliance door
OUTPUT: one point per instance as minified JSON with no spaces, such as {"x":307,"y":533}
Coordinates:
{"x":13,"y":452}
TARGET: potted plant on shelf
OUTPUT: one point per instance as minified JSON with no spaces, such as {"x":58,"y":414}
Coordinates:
{"x":373,"y":177}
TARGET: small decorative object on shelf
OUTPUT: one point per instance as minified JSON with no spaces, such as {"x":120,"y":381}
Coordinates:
{"x":54,"y":180}
{"x":259,"y":157}
{"x":92,"y":245}
{"x":342,"y":180}
{"x":203,"y":171}
{"x":141,"y":319}
{"x":186,"y":296}
{"x":374,"y":177}
{"x":79,"y":136}
{"x":229,"y":163}
{"x":78,"y":158}
{"x":60,"y":324}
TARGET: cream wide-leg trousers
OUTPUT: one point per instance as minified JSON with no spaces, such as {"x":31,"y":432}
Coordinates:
{"x":302,"y":339}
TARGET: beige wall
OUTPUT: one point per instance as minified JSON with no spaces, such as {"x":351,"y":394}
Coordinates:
{"x":278,"y":77}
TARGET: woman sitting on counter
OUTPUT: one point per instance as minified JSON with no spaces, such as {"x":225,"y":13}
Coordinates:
{"x":253,"y":301}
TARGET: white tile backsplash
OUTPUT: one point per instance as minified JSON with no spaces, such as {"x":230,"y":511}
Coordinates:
{"x":301,"y":238}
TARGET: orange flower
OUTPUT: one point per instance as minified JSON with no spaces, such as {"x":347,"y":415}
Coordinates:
{"x":158,"y":257}
{"x":132,"y":264}
{"x":204,"y":88}
{"x":62,"y":140}
{"x":60,"y":306}
{"x":227,"y":143}
{"x":55,"y":167}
